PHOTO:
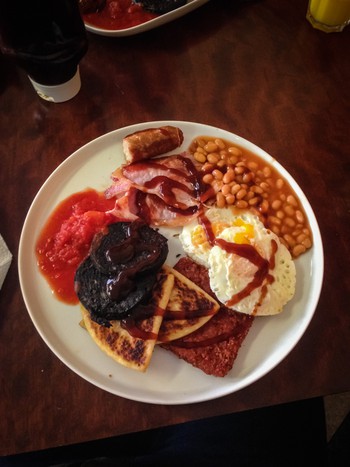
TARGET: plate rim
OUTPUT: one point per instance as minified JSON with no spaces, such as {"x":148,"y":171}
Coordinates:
{"x":317,"y":284}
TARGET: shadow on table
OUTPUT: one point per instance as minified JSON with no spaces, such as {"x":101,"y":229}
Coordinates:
{"x":286,"y":435}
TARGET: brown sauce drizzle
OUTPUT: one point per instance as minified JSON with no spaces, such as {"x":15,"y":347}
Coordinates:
{"x":214,"y":340}
{"x":250,"y":253}
{"x":132,"y":324}
{"x":225,"y":336}
{"x":193,"y":186}
{"x":189,"y":314}
{"x":120,"y":286}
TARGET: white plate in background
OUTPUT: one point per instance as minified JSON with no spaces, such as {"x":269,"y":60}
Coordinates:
{"x":153,"y":23}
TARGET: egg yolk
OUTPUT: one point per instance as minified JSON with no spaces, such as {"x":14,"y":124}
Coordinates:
{"x":198,"y":236}
{"x":246,"y":234}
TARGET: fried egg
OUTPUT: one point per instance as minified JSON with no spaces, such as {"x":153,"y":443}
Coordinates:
{"x":232,"y":275}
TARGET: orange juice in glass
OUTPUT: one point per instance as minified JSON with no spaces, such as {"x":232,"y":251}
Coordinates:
{"x":329,"y":15}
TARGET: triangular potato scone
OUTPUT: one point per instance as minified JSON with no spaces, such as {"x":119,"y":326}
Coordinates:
{"x":189,"y":308}
{"x":121,"y":342}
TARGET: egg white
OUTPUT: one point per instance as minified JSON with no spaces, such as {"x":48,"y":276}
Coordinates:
{"x":230,"y":273}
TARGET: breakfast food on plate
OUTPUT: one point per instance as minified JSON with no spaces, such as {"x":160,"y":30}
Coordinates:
{"x":175,"y":308}
{"x":163,"y":191}
{"x":152,"y":142}
{"x":131,"y":341}
{"x":189,"y":308}
{"x":240,"y":225}
{"x":214,"y":347}
{"x":250,"y":270}
{"x":120,"y":270}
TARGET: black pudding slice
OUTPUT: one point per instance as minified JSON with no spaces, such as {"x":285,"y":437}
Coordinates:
{"x":120,"y":271}
{"x":131,"y":246}
{"x":161,"y":6}
{"x":93,"y":289}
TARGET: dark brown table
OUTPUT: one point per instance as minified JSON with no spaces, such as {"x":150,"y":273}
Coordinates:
{"x":257,"y":69}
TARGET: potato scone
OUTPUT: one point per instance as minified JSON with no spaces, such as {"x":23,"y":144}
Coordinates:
{"x":131,"y":341}
{"x":189,"y":308}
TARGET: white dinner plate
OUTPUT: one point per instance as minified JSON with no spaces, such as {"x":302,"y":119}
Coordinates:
{"x":153,"y":23}
{"x":168,"y":380}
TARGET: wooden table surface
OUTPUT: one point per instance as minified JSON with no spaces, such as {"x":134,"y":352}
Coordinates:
{"x":255,"y":68}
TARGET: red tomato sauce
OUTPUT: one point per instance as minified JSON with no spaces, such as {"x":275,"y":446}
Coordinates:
{"x":119,"y":14}
{"x":66,"y":238}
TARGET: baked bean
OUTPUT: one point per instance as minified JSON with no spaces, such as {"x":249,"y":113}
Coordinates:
{"x":217,"y":185}
{"x":285,"y":229}
{"x":298,"y":250}
{"x":207,"y":167}
{"x":235,"y":189}
{"x":226,"y":188}
{"x":213,"y":158}
{"x":220,"y":143}
{"x":289,"y":239}
{"x":241,"y":193}
{"x":220,"y":200}
{"x":217,"y":174}
{"x":264,"y":186}
{"x":276,"y":204}
{"x":228,"y":176}
{"x":291,"y":200}
{"x":280,"y":214}
{"x":275,"y":229}
{"x":253,"y":201}
{"x":267,"y":171}
{"x":235,"y":151}
{"x":208,"y":178}
{"x":252,"y":165}
{"x":279,"y":183}
{"x":264,"y":206}
{"x":289,"y":210}
{"x":241,"y":204}
{"x":274,"y":220}
{"x":211,"y":146}
{"x":239,"y":170}
{"x":301,"y":237}
{"x":230,"y":199}
{"x":257,"y":189}
{"x":232,"y":160}
{"x":290,"y":222}
{"x":307,"y":242}
{"x":299,"y":216}
{"x":221,"y":164}
{"x":248,"y":177}
{"x":201,"y":142}
{"x":199,"y":157}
